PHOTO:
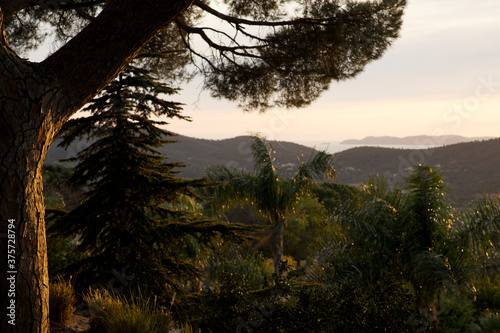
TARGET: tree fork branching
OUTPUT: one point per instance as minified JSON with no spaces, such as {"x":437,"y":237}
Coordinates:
{"x":241,"y":21}
{"x":91,"y":66}
{"x":233,"y":49}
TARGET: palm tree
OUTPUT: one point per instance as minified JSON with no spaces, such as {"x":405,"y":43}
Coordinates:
{"x":413,"y":234}
{"x":275,"y":197}
{"x":424,"y":221}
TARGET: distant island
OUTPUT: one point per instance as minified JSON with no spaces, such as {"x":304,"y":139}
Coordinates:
{"x":419,"y":140}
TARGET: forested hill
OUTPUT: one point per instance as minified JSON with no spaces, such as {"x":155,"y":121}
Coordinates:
{"x":199,"y":154}
{"x":419,"y":140}
{"x":469,"y":168}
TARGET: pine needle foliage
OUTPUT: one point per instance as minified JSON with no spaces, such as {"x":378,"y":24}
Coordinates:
{"x":263,"y":54}
{"x":128,"y":220}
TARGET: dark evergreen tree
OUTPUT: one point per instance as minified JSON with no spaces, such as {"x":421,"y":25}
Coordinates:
{"x":127,"y":220}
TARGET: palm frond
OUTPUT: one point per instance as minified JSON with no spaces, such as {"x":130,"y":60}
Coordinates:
{"x":480,"y":228}
{"x":430,"y":274}
{"x":369,"y":222}
{"x":320,"y":165}
{"x":261,"y":153}
{"x":426,"y":205}
{"x":338,"y":264}
{"x":378,"y":187}
{"x":233,"y":185}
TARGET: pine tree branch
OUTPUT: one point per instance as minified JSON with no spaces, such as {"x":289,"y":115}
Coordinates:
{"x":233,"y":49}
{"x":236,"y":20}
{"x":115,"y":37}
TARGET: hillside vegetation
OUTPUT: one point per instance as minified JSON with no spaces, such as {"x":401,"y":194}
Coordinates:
{"x":354,"y":260}
{"x":469,"y":168}
{"x":199,"y":154}
{"x":417,"y":140}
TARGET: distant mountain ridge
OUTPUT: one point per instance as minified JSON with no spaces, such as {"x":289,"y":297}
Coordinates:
{"x":469,"y":168}
{"x":199,"y":154}
{"x":418,"y":140}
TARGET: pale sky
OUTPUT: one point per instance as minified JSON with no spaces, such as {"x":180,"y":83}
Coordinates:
{"x":442,"y":76}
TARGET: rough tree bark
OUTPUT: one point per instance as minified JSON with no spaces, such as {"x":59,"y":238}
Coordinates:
{"x":278,"y":255}
{"x":35,"y":100}
{"x":278,"y":246}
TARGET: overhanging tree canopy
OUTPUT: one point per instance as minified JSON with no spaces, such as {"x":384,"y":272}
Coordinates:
{"x":264,"y":53}
{"x":283,"y":60}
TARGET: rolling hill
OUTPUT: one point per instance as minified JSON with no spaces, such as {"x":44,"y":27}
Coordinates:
{"x":418,"y":140}
{"x":469,"y":168}
{"x":199,"y":154}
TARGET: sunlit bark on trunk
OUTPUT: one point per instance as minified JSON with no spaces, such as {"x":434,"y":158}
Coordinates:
{"x":26,"y":132}
{"x":35,"y":100}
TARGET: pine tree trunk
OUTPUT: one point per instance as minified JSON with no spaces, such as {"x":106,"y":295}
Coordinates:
{"x":21,"y":204}
{"x":26,"y":131}
{"x":35,"y":100}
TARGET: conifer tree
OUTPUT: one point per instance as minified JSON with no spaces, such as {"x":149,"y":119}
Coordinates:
{"x":126,"y":220}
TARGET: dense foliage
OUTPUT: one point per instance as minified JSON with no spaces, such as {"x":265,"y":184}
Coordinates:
{"x":366,"y":266}
{"x":274,"y":196}
{"x":290,"y":305}
{"x":128,"y":221}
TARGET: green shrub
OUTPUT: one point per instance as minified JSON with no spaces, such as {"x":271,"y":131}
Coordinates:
{"x":252,"y":268}
{"x":110,"y":314}
{"x":490,"y":322}
{"x":458,"y":314}
{"x":487,"y":295}
{"x":290,"y":305}
{"x":61,"y":301}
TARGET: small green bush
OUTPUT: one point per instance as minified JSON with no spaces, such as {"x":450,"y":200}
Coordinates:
{"x":458,"y":314}
{"x":110,"y":314}
{"x":490,"y":321}
{"x":61,"y":301}
{"x":488,"y":295}
{"x":253,"y":268}
{"x":290,"y":305}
